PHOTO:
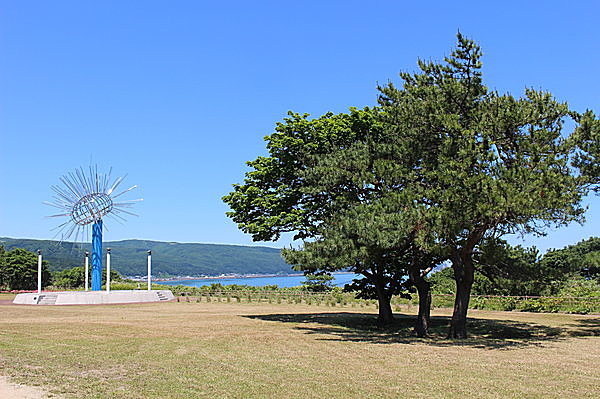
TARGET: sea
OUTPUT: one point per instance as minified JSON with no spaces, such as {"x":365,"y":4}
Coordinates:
{"x":339,"y":279}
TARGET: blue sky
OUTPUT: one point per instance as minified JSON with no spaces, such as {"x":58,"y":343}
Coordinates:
{"x":179,"y":94}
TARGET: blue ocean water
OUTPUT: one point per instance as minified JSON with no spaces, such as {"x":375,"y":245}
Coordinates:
{"x":281,"y":281}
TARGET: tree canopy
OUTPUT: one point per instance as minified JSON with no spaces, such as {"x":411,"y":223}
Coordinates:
{"x":19,"y":270}
{"x":75,"y":277}
{"x":510,"y":270}
{"x":581,"y":259}
{"x":503,"y":269}
{"x":442,"y":166}
{"x":486,"y":164}
{"x":587,"y":141}
{"x":272,"y":199}
{"x":318,"y":282}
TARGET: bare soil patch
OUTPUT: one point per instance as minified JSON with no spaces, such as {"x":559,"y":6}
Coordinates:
{"x":11,"y":390}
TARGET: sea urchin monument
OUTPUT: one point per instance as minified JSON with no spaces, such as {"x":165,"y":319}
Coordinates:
{"x":87,"y":198}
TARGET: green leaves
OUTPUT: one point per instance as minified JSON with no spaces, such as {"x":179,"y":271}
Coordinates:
{"x":18,"y":270}
{"x":320,"y":282}
{"x":442,"y":165}
{"x":587,"y":142}
{"x":483,"y":161}
{"x":273,"y":198}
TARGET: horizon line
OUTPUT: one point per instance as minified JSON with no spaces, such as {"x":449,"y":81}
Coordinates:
{"x":144,"y":239}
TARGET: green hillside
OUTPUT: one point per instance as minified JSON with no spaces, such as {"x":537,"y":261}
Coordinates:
{"x":168,"y":258}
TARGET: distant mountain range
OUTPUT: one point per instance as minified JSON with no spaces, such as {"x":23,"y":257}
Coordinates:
{"x":129,"y":257}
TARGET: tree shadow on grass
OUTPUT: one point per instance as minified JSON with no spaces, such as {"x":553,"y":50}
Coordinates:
{"x":585,"y":327}
{"x":483,"y":333}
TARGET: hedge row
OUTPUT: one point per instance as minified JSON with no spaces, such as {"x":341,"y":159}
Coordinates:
{"x":503,"y":303}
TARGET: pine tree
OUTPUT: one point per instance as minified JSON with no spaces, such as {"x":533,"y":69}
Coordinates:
{"x":485,"y":164}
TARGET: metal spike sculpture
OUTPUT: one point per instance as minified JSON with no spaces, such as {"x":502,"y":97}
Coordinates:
{"x":86,"y":199}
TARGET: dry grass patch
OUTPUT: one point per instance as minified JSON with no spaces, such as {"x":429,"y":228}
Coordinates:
{"x":230,"y":350}
{"x":6,"y":296}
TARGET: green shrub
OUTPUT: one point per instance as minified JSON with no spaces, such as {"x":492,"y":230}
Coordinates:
{"x":478,"y":303}
{"x":580,"y":287}
{"x":531,"y":305}
{"x":508,"y":304}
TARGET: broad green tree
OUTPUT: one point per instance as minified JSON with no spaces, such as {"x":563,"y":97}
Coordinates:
{"x":70,"y":278}
{"x":581,"y":259}
{"x":276,"y":196}
{"x":75,"y":277}
{"x":485,"y":164}
{"x":332,"y":180}
{"x":19,"y":270}
{"x":371,"y":225}
{"x":271,"y":200}
{"x":442,"y":166}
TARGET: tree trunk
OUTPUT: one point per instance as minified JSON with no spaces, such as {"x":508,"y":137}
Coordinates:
{"x":464,"y":275}
{"x":385,"y":307}
{"x":422,"y":323}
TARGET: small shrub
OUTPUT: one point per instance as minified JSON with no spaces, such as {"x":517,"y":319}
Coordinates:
{"x":477,"y":303}
{"x":508,"y":304}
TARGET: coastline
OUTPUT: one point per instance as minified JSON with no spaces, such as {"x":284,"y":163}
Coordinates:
{"x":224,"y":276}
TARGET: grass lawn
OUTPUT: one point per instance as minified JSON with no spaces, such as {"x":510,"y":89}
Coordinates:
{"x":250,"y":350}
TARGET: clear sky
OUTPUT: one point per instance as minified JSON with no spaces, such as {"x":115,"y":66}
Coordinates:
{"x":179,"y":94}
